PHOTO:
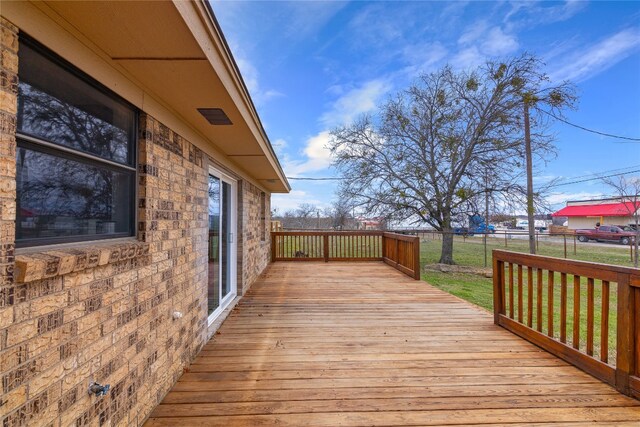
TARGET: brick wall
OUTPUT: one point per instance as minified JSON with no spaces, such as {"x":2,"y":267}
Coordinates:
{"x":103,"y":312}
{"x":8,"y":106}
{"x":255,"y":252}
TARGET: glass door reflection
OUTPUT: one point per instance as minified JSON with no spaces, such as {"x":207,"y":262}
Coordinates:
{"x":226,"y":238}
{"x":222,"y":255}
{"x":214,"y":244}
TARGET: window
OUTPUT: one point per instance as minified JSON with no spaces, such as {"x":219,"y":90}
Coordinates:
{"x":75,"y":171}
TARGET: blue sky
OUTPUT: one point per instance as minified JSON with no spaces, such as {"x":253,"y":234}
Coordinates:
{"x":311,"y":66}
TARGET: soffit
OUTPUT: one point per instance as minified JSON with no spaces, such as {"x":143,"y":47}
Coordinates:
{"x":152,"y":42}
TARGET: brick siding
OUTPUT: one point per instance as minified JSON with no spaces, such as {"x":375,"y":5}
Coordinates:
{"x":103,"y":312}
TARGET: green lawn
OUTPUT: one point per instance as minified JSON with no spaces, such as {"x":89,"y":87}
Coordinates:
{"x":470,"y":251}
{"x":479,"y":290}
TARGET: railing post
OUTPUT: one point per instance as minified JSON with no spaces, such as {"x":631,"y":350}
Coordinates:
{"x":273,"y":247}
{"x":383,"y":242}
{"x":498,"y":282}
{"x":416,"y":258}
{"x":325,"y":244}
{"x":397,"y":256}
{"x":625,"y":360}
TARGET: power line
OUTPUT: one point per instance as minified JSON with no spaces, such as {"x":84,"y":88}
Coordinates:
{"x":598,"y":174}
{"x":593,"y":179}
{"x":590,"y":130}
{"x":577,"y":179}
{"x":302,"y":178}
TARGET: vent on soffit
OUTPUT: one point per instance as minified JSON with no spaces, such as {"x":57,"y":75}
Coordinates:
{"x":215,"y":116}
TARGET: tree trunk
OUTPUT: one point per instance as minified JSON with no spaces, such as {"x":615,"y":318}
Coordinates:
{"x":530,"y":207}
{"x":446,"y":255}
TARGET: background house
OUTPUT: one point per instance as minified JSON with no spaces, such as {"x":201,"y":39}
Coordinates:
{"x":587,"y":213}
{"x":135,"y":186}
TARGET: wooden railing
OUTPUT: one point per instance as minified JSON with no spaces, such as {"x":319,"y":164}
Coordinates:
{"x":585,"y":313}
{"x":398,"y":250}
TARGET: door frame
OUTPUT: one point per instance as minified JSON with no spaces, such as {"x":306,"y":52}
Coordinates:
{"x":233,"y":245}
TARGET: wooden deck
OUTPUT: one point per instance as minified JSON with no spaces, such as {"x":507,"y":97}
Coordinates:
{"x":361,"y":344}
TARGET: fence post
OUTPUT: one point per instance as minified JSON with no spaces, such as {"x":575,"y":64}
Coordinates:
{"x":625,"y":350}
{"x":564,"y":236}
{"x":325,"y":244}
{"x":498,"y":281}
{"x":416,"y":258}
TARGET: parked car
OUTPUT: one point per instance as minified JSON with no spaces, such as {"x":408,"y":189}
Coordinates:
{"x":628,"y":227}
{"x":609,"y":233}
{"x":523,"y":224}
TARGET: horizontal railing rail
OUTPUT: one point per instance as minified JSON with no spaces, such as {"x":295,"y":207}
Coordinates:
{"x":398,"y":250}
{"x":585,"y":313}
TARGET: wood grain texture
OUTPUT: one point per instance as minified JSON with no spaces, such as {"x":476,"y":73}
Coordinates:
{"x":361,"y":344}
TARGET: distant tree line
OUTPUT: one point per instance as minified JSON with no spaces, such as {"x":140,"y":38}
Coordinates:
{"x":308,"y":216}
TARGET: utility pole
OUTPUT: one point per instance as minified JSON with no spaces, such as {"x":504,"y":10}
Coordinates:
{"x":527,"y":148}
{"x":486,"y":214}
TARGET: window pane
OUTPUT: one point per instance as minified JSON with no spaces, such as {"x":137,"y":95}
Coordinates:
{"x":225,"y":239}
{"x":214,"y":244}
{"x":61,"y":199}
{"x":57,"y":106}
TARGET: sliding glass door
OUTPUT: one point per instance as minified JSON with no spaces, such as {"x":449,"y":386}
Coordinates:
{"x":222,"y":242}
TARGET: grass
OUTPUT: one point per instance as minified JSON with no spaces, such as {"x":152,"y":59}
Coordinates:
{"x":470,"y":251}
{"x":478,"y":289}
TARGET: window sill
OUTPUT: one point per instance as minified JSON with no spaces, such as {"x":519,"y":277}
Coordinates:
{"x":51,"y":261}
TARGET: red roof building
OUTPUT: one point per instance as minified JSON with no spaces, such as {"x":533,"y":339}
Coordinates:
{"x":587,"y":213}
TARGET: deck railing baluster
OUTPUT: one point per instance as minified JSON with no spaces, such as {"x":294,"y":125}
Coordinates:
{"x":550,"y":279}
{"x":576,"y":312}
{"x":529,"y":296}
{"x":604,"y":325}
{"x":539,"y":300}
{"x":520,"y":291}
{"x":590,"y":316}
{"x":592,"y":357}
{"x":398,"y":250}
{"x":563,"y":307}
{"x":511,"y":297}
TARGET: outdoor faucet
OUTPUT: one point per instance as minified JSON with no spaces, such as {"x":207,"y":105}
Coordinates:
{"x":98,"y":389}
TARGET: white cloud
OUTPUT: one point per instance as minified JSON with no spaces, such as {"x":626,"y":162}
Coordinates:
{"x":562,"y":198}
{"x":599,"y":57}
{"x":544,"y":178}
{"x":423,"y":57}
{"x":316,"y":153}
{"x":473,"y":32}
{"x":479,"y":42}
{"x":355,"y":102}
{"x":499,"y":43}
{"x":467,"y":58}
{"x":290,"y":201}
{"x":250,"y":76}
{"x":293,"y":20}
{"x":525,"y":14}
{"x":304,"y":19}
{"x":279,"y":145}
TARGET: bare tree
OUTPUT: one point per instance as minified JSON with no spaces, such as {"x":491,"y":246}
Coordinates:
{"x":340,"y":214}
{"x":628,"y":189}
{"x":305,"y":216}
{"x":426,"y":154}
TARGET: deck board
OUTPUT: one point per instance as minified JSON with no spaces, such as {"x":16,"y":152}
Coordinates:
{"x":361,"y":344}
